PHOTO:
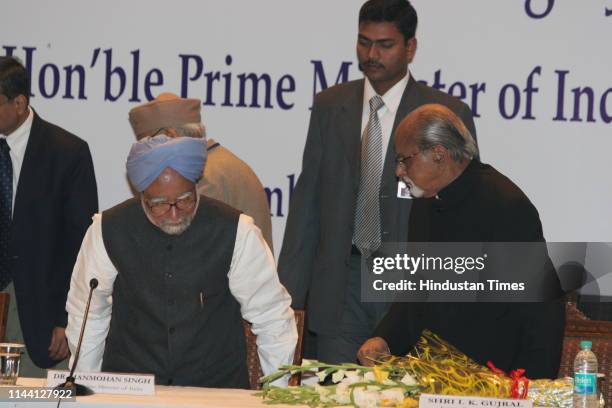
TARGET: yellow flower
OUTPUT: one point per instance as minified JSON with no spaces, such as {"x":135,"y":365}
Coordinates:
{"x":408,"y":403}
{"x":380,"y":374}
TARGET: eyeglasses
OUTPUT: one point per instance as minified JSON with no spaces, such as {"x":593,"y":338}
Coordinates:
{"x":403,"y":161}
{"x":184,"y":203}
{"x":160,"y":131}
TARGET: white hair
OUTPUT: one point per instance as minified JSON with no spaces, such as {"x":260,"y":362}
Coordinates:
{"x":450,"y":132}
{"x":191,"y":130}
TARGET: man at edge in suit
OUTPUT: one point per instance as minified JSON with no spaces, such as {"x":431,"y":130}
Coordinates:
{"x":48,"y":195}
{"x":346,"y":201}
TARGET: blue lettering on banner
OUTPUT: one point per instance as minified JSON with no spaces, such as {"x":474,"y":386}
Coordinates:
{"x":459,"y":90}
{"x":71,"y":70}
{"x":225,"y":88}
{"x":546,"y":7}
{"x":280,"y":207}
{"x":54,"y":78}
{"x":255,"y":90}
{"x":503,"y":100}
{"x":110,"y":73}
{"x":533,"y":14}
{"x":583,"y":101}
{"x":278,"y":193}
{"x":320,"y":79}
{"x":512,"y":93}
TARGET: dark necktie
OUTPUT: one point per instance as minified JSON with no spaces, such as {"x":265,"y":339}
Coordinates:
{"x":6,"y":204}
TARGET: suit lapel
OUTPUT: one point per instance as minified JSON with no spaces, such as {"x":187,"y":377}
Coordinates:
{"x":29,"y":179}
{"x":350,"y":125}
{"x":410,"y":101}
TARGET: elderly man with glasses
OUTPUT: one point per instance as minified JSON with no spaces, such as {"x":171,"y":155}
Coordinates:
{"x":458,"y":199}
{"x":183,"y":271}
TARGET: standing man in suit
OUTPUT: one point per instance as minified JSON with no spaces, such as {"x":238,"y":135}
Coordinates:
{"x":48,"y":195}
{"x":346,"y":200}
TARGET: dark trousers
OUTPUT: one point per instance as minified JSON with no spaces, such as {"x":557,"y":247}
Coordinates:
{"x":359,"y":319}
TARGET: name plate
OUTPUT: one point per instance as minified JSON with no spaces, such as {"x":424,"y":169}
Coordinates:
{"x":108,"y":383}
{"x":449,"y":401}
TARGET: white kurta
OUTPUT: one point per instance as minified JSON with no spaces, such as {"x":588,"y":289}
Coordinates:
{"x":253,"y":281}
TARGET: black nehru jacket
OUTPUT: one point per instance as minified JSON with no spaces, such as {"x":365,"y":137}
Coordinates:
{"x":161,"y":322}
{"x":482,"y":205}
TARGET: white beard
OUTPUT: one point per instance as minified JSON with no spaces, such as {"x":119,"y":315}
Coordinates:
{"x":415,"y":191}
{"x":175,"y":228}
{"x":172,"y":228}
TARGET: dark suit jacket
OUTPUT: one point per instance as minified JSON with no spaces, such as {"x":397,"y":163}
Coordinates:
{"x":314,"y":260}
{"x":56,"y":198}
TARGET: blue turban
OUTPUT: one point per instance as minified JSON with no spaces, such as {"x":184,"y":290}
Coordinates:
{"x":150,"y":156}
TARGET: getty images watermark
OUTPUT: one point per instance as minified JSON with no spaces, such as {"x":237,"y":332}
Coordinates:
{"x":486,"y":272}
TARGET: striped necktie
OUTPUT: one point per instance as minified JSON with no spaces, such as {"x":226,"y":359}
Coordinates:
{"x":367,"y":213}
{"x":6,"y":205}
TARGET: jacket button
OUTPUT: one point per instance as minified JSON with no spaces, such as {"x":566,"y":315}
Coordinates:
{"x":169,"y":275}
{"x":171,"y":302}
{"x":169,"y":247}
{"x":171,"y":330}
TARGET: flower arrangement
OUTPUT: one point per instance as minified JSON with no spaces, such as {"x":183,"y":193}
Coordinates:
{"x":434,"y":367}
{"x":351,"y":384}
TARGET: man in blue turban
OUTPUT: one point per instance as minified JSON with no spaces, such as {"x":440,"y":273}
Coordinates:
{"x":183,"y":271}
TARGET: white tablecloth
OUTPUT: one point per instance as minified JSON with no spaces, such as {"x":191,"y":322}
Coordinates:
{"x":165,"y":397}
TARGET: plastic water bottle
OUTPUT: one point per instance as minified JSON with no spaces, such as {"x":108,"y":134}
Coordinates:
{"x":585,"y":377}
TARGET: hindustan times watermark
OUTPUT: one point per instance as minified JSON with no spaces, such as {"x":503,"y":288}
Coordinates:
{"x":485,"y":272}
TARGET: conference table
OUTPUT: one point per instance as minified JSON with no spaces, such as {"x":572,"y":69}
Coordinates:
{"x":165,"y":396}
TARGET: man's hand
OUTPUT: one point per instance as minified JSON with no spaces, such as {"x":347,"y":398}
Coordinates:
{"x":58,"y":349}
{"x":371,"y":350}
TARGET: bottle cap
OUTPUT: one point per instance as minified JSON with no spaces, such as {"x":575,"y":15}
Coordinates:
{"x":585,"y":344}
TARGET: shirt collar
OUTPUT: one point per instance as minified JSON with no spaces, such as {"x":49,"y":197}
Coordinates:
{"x":392,"y":97}
{"x":21,"y":132}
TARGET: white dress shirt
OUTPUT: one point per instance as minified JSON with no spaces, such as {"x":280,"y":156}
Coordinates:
{"x":253,"y":281}
{"x":386,"y":114}
{"x":18,"y":141}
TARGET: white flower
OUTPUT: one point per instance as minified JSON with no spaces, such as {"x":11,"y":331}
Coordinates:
{"x":342,"y":388}
{"x":338,"y":376}
{"x":342,"y":395}
{"x":322,"y":391}
{"x":321,"y":375}
{"x":366,"y":398}
{"x":352,"y":377}
{"x":306,"y":363}
{"x":393,"y":394}
{"x":369,"y":376}
{"x":408,"y":380}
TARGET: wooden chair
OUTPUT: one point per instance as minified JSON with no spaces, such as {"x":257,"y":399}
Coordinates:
{"x":253,"y":363}
{"x":577,"y":328}
{"x":5,"y":300}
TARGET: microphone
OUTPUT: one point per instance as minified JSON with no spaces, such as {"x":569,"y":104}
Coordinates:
{"x":70,"y":382}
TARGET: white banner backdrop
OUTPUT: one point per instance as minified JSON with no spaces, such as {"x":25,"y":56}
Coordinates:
{"x":537,"y":74}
